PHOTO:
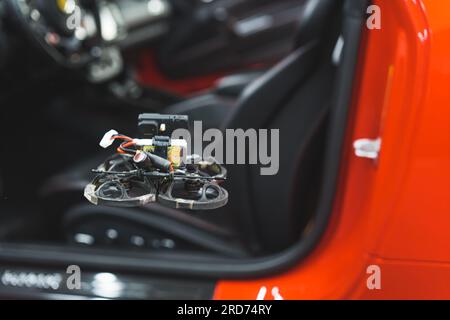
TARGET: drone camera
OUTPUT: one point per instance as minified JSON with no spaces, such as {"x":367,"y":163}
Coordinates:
{"x":153,"y":124}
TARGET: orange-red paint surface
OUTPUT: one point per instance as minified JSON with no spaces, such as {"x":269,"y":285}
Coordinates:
{"x":149,"y":74}
{"x":394,"y":213}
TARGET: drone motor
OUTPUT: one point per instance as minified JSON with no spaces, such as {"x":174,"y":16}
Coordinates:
{"x":118,"y":188}
{"x":193,"y":195}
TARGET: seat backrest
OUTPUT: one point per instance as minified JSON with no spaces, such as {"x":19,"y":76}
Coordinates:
{"x":291,"y":97}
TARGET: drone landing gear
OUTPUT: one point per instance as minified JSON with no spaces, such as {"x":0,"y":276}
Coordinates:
{"x":193,"y":195}
{"x":121,"y":183}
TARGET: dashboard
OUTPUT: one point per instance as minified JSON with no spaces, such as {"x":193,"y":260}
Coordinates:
{"x":188,"y":37}
{"x":91,"y":34}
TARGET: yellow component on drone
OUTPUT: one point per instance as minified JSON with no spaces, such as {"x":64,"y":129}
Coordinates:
{"x":174,"y":154}
{"x":148,"y":148}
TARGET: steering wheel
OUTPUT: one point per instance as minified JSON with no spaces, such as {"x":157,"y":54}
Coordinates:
{"x":78,"y":34}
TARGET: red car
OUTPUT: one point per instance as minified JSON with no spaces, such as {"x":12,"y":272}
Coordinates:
{"x":357,"y":208}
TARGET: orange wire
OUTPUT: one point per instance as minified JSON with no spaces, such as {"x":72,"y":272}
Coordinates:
{"x":123,"y":138}
{"x":128,"y":144}
{"x":125,"y":145}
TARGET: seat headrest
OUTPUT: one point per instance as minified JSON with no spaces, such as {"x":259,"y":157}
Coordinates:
{"x":313,"y":19}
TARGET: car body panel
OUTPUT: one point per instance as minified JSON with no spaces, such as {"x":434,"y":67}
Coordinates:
{"x":393,"y":212}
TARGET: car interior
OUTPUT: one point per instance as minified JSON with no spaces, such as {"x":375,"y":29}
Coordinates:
{"x":232,"y":64}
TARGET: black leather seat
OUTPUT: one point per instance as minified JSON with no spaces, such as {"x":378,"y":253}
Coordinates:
{"x":214,"y":106}
{"x":270,"y":212}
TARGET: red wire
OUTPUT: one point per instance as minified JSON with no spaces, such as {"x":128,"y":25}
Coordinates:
{"x":125,"y":145}
{"x":129,"y":142}
{"x":123,"y":138}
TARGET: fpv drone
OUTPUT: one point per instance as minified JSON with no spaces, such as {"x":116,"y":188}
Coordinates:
{"x":157,"y":169}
